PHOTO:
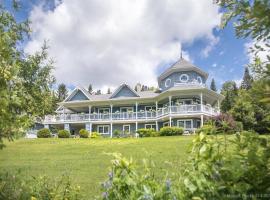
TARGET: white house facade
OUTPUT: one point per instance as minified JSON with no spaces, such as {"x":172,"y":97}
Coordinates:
{"x":183,"y":100}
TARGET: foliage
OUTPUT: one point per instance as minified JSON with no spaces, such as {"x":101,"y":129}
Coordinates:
{"x":213,"y":85}
{"x":95,"y":135}
{"x":230,"y":91}
{"x":13,"y":186}
{"x":207,"y":129}
{"x":116,"y":133}
{"x":125,"y":182}
{"x":247,"y":80}
{"x":225,"y":123}
{"x":83,"y":133}
{"x":145,"y":132}
{"x":90,"y":88}
{"x":212,"y":172}
{"x":63,"y":134}
{"x":171,"y":131}
{"x":44,"y":133}
{"x":25,"y":80}
{"x":62,"y":92}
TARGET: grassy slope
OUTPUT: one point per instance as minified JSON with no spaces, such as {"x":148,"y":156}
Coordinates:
{"x":85,"y":159}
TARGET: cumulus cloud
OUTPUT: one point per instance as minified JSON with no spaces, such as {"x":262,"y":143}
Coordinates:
{"x":213,"y":41}
{"x":261,"y":54}
{"x":110,"y":42}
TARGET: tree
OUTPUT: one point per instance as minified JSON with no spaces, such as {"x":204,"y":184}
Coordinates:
{"x":109,"y":91}
{"x":62,"y":92}
{"x":229,"y":90}
{"x":247,"y":80}
{"x":90,"y":88}
{"x":213,"y":85}
{"x":25,"y":80}
{"x":98,"y":92}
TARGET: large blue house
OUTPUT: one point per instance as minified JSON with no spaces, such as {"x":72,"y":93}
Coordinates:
{"x":183,"y":100}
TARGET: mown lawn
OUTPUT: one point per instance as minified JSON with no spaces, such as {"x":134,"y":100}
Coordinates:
{"x":85,"y":160}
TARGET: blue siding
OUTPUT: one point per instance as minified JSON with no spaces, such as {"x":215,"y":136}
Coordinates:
{"x":175,"y":78}
{"x":125,"y":92}
{"x":79,"y":96}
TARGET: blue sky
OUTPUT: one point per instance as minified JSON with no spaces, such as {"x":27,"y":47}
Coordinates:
{"x":225,"y":60}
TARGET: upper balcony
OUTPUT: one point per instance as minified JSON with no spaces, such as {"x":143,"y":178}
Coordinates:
{"x":141,"y":115}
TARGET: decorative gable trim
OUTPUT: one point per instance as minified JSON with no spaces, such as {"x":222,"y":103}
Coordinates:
{"x":120,"y":88}
{"x":75,"y":91}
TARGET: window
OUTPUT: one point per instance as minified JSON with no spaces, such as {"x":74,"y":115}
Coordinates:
{"x":168,"y":82}
{"x":150,"y":126}
{"x":186,"y":123}
{"x":103,"y":129}
{"x":104,"y":110}
{"x":126,"y":109}
{"x":126,"y":129}
{"x":165,"y":124}
{"x":199,"y":79}
{"x":184,"y":78}
{"x":148,"y":108}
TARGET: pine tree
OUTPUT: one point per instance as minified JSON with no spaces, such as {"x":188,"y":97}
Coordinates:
{"x":62,"y":92}
{"x":90,"y":88}
{"x":109,"y":91}
{"x":98,"y":92}
{"x":213,"y":85}
{"x":247,"y":80}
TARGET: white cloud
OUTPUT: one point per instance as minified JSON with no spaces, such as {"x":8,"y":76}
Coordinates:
{"x":110,"y":42}
{"x":214,"y":65}
{"x":213,"y":41}
{"x":262,"y":54}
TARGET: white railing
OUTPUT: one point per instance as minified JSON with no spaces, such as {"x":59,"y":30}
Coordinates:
{"x":174,"y":110}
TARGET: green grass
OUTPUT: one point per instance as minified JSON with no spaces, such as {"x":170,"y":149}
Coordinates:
{"x":85,"y":160}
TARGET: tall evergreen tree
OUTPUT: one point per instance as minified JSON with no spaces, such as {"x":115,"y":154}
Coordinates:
{"x":213,"y":85}
{"x":90,"y":88}
{"x":62,"y":92}
{"x":247,"y":80}
{"x":98,"y":92}
{"x":230,"y":91}
{"x":109,"y":91}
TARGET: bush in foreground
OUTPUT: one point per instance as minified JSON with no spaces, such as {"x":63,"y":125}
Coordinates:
{"x":171,"y":131}
{"x":211,"y":172}
{"x":13,"y":186}
{"x":143,"y":132}
{"x":44,"y":133}
{"x":95,"y":135}
{"x":63,"y":134}
{"x":83,"y":133}
{"x":116,"y":133}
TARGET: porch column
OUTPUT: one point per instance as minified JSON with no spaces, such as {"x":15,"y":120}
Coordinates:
{"x":201,"y":120}
{"x":201,"y":97}
{"x":111,"y":130}
{"x":89,"y":112}
{"x":156,"y":116}
{"x":67,"y":127}
{"x":218,"y":103}
{"x":136,"y":116}
{"x":88,"y":127}
{"x":170,"y":104}
{"x":170,"y":122}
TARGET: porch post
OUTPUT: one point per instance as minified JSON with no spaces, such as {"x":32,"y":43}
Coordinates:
{"x":136,"y":115}
{"x":111,"y":130}
{"x":89,"y":112}
{"x":201,"y":97}
{"x":170,"y":123}
{"x":88,"y":127}
{"x":67,"y":127}
{"x":201,"y":120}
{"x":64,"y":114}
{"x":170,"y":104}
{"x":218,"y":103}
{"x":156,"y":116}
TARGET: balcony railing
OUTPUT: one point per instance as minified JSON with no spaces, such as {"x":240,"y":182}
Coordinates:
{"x":173,"y":110}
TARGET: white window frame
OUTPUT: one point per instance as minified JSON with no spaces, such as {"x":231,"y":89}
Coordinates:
{"x":184,"y":120}
{"x":126,"y":125}
{"x":166,"y":82}
{"x":150,"y":125}
{"x":132,"y":109}
{"x":166,"y":124}
{"x":151,"y":108}
{"x":181,"y":76}
{"x":103,"y":129}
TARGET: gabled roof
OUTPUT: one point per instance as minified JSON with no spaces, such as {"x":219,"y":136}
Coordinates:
{"x":75,"y":91}
{"x":181,"y":65}
{"x":132,"y":93}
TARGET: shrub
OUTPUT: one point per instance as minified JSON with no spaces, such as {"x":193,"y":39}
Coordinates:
{"x":116,"y":133}
{"x":95,"y":135}
{"x":44,"y":133}
{"x":225,"y":123}
{"x":171,"y":131}
{"x":63,"y":134}
{"x":207,"y":129}
{"x":143,"y":132}
{"x":13,"y":186}
{"x":84,"y":133}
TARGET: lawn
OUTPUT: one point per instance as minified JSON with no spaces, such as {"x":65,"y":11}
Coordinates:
{"x":85,"y":160}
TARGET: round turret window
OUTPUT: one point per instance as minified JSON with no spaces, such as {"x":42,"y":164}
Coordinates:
{"x":167,"y":82}
{"x":184,"y":78}
{"x":199,"y":79}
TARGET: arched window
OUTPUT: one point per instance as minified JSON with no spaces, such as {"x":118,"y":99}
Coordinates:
{"x":184,"y":78}
{"x":168,"y":82}
{"x":199,"y":79}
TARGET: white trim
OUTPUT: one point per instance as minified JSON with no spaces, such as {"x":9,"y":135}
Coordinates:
{"x":127,"y":108}
{"x":124,"y":127}
{"x":167,"y":84}
{"x":72,"y":94}
{"x":103,"y":129}
{"x":167,"y":123}
{"x":120,"y":88}
{"x":151,"y":108}
{"x":149,"y":125}
{"x":104,"y":108}
{"x":199,"y":78}
{"x":183,"y":75}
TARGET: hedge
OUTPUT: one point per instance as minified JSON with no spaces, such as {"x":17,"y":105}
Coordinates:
{"x":171,"y":131}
